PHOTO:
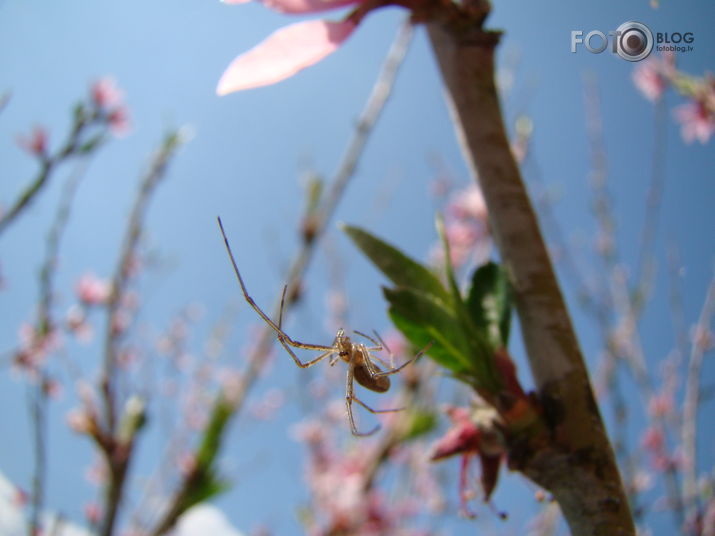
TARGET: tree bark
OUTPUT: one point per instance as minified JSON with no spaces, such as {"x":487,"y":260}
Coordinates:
{"x":576,"y":463}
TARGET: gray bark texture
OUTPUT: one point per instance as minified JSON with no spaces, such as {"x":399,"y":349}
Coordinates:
{"x":575,"y":462}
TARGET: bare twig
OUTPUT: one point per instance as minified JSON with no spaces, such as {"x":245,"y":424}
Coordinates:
{"x":626,"y":305}
{"x":653,"y":205}
{"x":118,"y":451}
{"x":73,"y":146}
{"x":690,"y":407}
{"x":45,"y":326}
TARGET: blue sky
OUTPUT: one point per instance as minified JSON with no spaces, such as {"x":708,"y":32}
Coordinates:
{"x":245,"y":163}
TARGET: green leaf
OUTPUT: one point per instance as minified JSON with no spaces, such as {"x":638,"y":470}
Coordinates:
{"x":449,"y":268}
{"x":211,"y":442}
{"x":423,"y":320}
{"x":205,"y":482}
{"x":398,"y":267}
{"x":420,"y":422}
{"x":206,"y":486}
{"x":91,"y":144}
{"x":490,"y":303}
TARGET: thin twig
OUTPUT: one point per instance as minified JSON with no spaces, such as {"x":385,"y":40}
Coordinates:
{"x":651,"y":220}
{"x":48,"y":164}
{"x":346,"y":170}
{"x":691,"y":403}
{"x":118,"y":454}
{"x":38,"y":410}
{"x":45,"y":327}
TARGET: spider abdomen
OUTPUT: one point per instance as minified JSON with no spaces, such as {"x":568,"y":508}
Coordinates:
{"x":365,"y":377}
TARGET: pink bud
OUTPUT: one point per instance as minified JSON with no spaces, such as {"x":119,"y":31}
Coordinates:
{"x":91,"y":290}
{"x":36,"y":143}
{"x":106,"y":94}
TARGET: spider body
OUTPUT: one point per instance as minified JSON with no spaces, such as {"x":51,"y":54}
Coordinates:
{"x":358,"y":357}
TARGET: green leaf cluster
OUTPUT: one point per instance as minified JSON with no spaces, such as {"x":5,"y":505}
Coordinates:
{"x":464,"y":331}
{"x":205,"y":482}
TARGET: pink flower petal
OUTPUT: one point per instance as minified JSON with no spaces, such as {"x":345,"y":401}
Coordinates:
{"x":299,"y":6}
{"x":306,"y":6}
{"x":283,"y":54}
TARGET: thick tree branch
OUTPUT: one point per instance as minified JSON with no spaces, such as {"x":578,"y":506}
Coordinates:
{"x":576,"y":463}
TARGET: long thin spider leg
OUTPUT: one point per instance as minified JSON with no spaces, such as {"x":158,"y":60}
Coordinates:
{"x":280,"y":309}
{"x":254,"y":305}
{"x":349,"y":397}
{"x":372,"y":410}
{"x":398,"y":369}
{"x":373,"y":341}
{"x":379,"y":360}
{"x":382,"y":342}
{"x":287,"y":348}
{"x":387,"y":349}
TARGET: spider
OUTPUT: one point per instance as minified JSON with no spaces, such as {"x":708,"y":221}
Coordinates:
{"x":358,"y":356}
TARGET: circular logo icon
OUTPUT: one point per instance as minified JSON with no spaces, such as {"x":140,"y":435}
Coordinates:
{"x":634,"y":41}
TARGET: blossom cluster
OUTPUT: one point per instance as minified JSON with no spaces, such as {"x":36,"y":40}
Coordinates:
{"x":696,"y":116}
{"x":105,"y":108}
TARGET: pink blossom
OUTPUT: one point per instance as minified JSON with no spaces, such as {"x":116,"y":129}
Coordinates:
{"x":466,"y":227}
{"x":76,"y":321}
{"x":469,"y":204}
{"x":36,"y":143}
{"x":21,"y":497}
{"x":35,"y":346}
{"x":119,"y":121}
{"x":697,"y":121}
{"x":463,"y":436}
{"x":80,"y":421}
{"x":649,"y":78}
{"x":283,"y":54}
{"x":92,"y":512}
{"x":106,"y":94}
{"x":642,"y":481}
{"x":653,"y":439}
{"x":470,"y":439}
{"x":660,"y":405}
{"x":92,"y":290}
{"x":110,"y":100}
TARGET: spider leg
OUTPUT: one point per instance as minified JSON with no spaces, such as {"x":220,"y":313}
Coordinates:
{"x":383,"y":344}
{"x":379,"y":346}
{"x":398,"y":369}
{"x":373,"y":341}
{"x":379,"y":360}
{"x":349,"y":397}
{"x":371,"y":410}
{"x":282,"y":335}
{"x":288,"y":348}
